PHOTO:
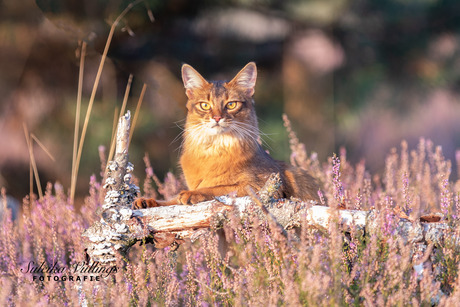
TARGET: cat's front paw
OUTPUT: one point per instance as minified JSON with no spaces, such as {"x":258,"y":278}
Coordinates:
{"x":142,"y":203}
{"x":192,"y":197}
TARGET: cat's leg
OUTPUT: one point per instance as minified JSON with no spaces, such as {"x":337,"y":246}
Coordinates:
{"x":192,"y":197}
{"x":142,"y":203}
{"x":197,"y":196}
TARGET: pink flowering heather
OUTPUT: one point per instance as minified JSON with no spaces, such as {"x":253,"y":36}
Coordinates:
{"x":43,"y":258}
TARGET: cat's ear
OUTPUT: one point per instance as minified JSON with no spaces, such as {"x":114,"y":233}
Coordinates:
{"x":192,"y":79}
{"x":246,"y":78}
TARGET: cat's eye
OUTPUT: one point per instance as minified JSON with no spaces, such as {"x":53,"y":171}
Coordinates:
{"x":205,"y":106}
{"x":231,"y":105}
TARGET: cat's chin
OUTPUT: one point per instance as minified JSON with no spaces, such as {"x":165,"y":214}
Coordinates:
{"x":216,"y":130}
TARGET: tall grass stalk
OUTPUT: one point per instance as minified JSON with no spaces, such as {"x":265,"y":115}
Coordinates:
{"x":96,"y":84}
{"x":136,"y":113}
{"x":116,"y":115}
{"x":122,"y":111}
{"x":73,"y":180}
{"x":43,"y":147}
{"x":32,"y":162}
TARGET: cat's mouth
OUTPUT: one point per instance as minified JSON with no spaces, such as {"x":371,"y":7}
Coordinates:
{"x":217,"y":128}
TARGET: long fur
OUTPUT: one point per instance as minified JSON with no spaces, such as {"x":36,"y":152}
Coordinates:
{"x":220,"y":152}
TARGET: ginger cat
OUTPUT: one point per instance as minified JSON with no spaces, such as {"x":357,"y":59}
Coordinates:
{"x":221,"y":153}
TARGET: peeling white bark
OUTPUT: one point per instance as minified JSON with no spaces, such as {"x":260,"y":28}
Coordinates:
{"x":110,"y":234}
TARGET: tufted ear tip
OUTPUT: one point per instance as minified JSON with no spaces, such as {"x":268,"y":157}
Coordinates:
{"x":191,"y":78}
{"x":252,"y":65}
{"x":246,"y":78}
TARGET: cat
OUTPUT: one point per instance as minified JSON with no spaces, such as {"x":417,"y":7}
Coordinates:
{"x":221,"y":153}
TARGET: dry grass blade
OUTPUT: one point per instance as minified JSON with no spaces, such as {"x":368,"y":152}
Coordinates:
{"x":31,"y":176}
{"x":43,"y":147}
{"x":95,"y":86}
{"x":112,"y":141}
{"x":113,"y":138}
{"x":125,"y":98}
{"x":122,"y":111}
{"x":116,"y":114}
{"x":136,"y":113}
{"x":149,"y":12}
{"x":73,"y":179}
{"x":32,"y":162}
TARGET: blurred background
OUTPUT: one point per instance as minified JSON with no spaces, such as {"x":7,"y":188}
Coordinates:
{"x":359,"y":74}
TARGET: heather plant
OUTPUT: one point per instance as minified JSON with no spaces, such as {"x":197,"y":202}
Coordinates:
{"x":260,"y":265}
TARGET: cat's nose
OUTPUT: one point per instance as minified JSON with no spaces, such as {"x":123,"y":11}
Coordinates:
{"x":217,"y":118}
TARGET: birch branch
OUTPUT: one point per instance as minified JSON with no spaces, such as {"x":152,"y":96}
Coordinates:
{"x":109,"y":235}
{"x":121,"y":227}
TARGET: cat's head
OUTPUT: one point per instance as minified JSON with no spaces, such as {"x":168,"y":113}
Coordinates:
{"x":221,"y":108}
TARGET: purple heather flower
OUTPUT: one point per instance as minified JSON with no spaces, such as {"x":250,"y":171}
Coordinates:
{"x":338,"y":188}
{"x":388,"y":223}
{"x":149,"y":172}
{"x":445,"y":197}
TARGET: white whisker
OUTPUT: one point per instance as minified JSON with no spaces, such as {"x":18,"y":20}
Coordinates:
{"x":193,"y":132}
{"x":204,"y":134}
{"x":254,"y":133}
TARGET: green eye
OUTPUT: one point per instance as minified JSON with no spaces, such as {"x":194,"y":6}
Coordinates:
{"x":205,"y":106}
{"x":231,"y":105}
